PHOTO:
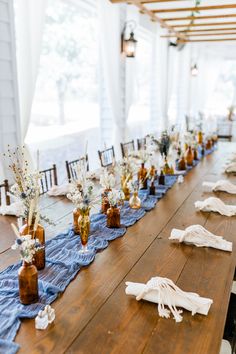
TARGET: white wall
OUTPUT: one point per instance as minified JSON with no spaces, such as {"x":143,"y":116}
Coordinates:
{"x":9,"y":111}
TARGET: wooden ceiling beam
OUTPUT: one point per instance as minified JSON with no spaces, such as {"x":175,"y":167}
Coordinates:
{"x":208,"y":40}
{"x":209,"y":30}
{"x":153,"y":16}
{"x":205,"y":24}
{"x":194,"y":9}
{"x":200,"y":34}
{"x":189,"y":18}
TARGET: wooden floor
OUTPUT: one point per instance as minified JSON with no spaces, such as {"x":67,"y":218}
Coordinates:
{"x":94,"y":315}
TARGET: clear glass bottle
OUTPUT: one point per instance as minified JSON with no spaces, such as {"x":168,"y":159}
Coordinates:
{"x":135,"y":202}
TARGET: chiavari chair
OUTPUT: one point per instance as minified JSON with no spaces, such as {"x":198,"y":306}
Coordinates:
{"x":141,"y":143}
{"x":71,"y":167}
{"x":4,"y":189}
{"x":48,"y":180}
{"x":127,"y":148}
{"x":107,"y":157}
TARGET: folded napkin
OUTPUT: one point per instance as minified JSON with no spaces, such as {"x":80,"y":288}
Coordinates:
{"x":221,"y":185}
{"x":14,"y":209}
{"x":200,"y":237}
{"x":216,"y":204}
{"x":163,"y":291}
{"x":56,"y":191}
{"x":231,"y":167}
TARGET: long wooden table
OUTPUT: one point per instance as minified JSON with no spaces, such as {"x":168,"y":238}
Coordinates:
{"x":94,"y":315}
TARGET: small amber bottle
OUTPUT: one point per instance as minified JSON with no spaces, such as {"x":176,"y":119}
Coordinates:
{"x":39,"y":233}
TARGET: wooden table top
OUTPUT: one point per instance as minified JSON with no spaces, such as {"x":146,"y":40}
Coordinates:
{"x":94,"y":315}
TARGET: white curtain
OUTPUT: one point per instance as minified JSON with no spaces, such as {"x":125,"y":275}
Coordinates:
{"x":112,"y":63}
{"x":30,"y":16}
{"x":183,"y":86}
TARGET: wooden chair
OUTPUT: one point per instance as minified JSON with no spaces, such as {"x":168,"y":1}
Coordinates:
{"x":141,"y":143}
{"x":71,"y":167}
{"x":107,"y":156}
{"x":4,"y":189}
{"x":48,"y":180}
{"x":126,"y":148}
{"x":224,"y":130}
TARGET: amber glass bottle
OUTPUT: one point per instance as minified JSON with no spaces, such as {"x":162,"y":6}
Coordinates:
{"x":113,"y":217}
{"x":28,"y":283}
{"x":142,"y":177}
{"x":105,"y":203}
{"x":195,"y":154}
{"x":39,"y":233}
{"x":76,"y":215}
{"x":162,"y":178}
{"x":152,"y":189}
{"x":208,"y":144}
{"x":153,"y":172}
{"x":189,"y":156}
{"x":199,"y":138}
{"x":182,"y":164}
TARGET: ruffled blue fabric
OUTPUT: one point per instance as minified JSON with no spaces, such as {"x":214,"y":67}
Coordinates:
{"x":63,"y":263}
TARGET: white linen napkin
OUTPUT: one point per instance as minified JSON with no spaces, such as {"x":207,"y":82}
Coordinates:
{"x":56,"y":191}
{"x":231,"y":167}
{"x":221,"y":185}
{"x":200,"y":237}
{"x":14,"y":209}
{"x":216,"y":204}
{"x":163,"y":291}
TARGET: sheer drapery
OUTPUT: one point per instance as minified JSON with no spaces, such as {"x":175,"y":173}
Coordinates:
{"x":183,"y":99}
{"x":30,"y":16}
{"x":112,"y":62}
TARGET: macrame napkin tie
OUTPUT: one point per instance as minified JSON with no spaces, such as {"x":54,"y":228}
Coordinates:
{"x":216,"y":205}
{"x":200,"y":237}
{"x":221,"y":185}
{"x":165,"y":293}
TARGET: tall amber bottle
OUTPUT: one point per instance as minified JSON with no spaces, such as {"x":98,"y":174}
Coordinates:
{"x":28,"y":283}
{"x":189,"y":156}
{"x":162,"y":178}
{"x":39,"y":233}
{"x":199,"y":138}
{"x":105,"y":203}
{"x":182,"y":164}
{"x":142,"y":177}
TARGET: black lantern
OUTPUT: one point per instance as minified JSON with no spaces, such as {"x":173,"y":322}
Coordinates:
{"x":128,"y":45}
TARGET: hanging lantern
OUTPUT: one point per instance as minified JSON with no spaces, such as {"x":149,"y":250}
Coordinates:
{"x":194,"y":70}
{"x":128,"y":45}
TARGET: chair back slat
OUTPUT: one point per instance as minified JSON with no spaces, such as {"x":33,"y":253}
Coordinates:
{"x":107,"y":156}
{"x":127,"y":148}
{"x":4,"y":189}
{"x":48,"y":180}
{"x":71,"y":167}
{"x":141,"y":143}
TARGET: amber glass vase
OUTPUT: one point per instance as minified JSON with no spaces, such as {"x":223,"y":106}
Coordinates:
{"x":135,"y":202}
{"x":153,"y":172}
{"x":125,"y":189}
{"x":152,"y":189}
{"x":195,"y":154}
{"x":39,"y":233}
{"x":182,"y":164}
{"x":84,"y":226}
{"x":189,"y":156}
{"x":167,"y":168}
{"x":76,"y":215}
{"x":208,"y":144}
{"x":199,"y":138}
{"x":113,"y":217}
{"x":28,"y":283}
{"x":105,"y":203}
{"x":162,"y":178}
{"x":142,"y":177}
